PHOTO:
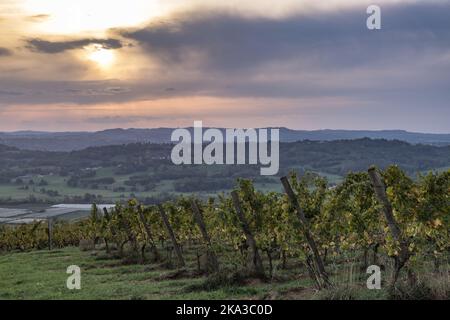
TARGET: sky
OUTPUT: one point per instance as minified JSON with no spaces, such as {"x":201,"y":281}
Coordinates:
{"x":78,"y":65}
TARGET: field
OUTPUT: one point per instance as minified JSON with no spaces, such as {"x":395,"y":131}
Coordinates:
{"x":61,"y":212}
{"x":42,"y":275}
{"x":106,"y":192}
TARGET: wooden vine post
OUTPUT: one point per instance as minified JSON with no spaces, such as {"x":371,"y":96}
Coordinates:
{"x":380,"y":192}
{"x":149,"y":234}
{"x":50,"y":233}
{"x":105,"y":221}
{"x":176,"y":246}
{"x":213,"y":263}
{"x":319,"y":270}
{"x":255,"y":262}
{"x":106,"y":214}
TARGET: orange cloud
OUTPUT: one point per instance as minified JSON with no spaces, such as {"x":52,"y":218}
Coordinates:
{"x":170,"y":112}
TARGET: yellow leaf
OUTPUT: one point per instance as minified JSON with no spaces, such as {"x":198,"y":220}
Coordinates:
{"x":437,"y":223}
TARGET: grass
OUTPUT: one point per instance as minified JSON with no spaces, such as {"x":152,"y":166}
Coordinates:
{"x":42,"y":275}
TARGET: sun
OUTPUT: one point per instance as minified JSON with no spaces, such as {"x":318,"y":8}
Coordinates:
{"x":101,"y":56}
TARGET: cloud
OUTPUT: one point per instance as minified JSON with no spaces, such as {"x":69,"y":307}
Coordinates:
{"x":38,"y":17}
{"x":83,"y":92}
{"x":44,"y":46}
{"x":10,"y":93}
{"x":227,"y":41}
{"x":118,"y":120}
{"x":392,"y":75}
{"x":5,"y":52}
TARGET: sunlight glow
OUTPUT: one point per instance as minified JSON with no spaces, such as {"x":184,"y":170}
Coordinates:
{"x":103,"y":57}
{"x":90,"y":15}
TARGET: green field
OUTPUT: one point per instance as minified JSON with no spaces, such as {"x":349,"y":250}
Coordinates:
{"x":42,"y":275}
{"x":58,"y":183}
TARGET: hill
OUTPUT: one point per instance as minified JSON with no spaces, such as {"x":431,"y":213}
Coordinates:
{"x":70,"y":141}
{"x":145,"y":171}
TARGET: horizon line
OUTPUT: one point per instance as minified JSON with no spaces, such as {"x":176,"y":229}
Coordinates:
{"x":208,"y":127}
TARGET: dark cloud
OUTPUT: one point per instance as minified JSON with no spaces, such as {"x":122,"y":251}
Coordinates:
{"x":9,"y":93}
{"x":228,"y":41}
{"x":27,"y":91}
{"x":45,"y":46}
{"x":5,"y":52}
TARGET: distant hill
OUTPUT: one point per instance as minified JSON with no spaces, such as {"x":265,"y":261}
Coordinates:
{"x":288,"y":135}
{"x":70,"y":141}
{"x":144,"y":170}
{"x":333,"y":157}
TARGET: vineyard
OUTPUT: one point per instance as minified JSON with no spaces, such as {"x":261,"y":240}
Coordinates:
{"x":330,"y":235}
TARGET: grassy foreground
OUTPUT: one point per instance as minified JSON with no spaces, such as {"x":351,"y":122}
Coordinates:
{"x":42,"y":275}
